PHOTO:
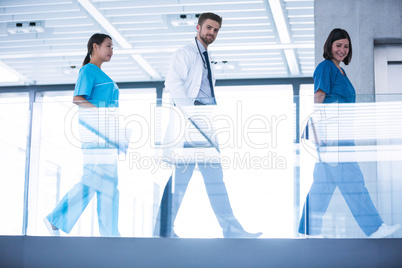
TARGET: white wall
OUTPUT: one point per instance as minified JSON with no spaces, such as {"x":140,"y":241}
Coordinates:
{"x":365,"y":20}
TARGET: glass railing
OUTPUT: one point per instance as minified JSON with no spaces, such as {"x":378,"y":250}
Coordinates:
{"x":354,"y":181}
{"x":14,"y":126}
{"x":260,"y":164}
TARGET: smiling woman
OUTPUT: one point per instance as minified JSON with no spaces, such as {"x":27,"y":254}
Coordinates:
{"x":332,"y":85}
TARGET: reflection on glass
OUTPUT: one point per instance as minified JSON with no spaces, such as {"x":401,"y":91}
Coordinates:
{"x":101,"y":141}
{"x":60,"y":140}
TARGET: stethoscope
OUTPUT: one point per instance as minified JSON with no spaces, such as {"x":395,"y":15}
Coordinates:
{"x":199,"y":51}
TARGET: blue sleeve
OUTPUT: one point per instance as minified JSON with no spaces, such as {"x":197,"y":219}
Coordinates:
{"x":85,"y":83}
{"x":322,"y":77}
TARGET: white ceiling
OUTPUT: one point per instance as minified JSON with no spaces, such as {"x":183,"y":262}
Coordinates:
{"x":258,"y":39}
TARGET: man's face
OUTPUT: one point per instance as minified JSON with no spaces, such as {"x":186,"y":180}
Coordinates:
{"x":208,"y":31}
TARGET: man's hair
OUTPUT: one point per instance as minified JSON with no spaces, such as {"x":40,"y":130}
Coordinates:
{"x":337,"y":34}
{"x":211,"y":16}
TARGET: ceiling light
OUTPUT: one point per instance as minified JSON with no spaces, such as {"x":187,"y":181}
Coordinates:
{"x":110,"y":29}
{"x":70,"y":70}
{"x":146,"y":66}
{"x":224,"y":65}
{"x":292,"y":62}
{"x":25,"y":27}
{"x":262,"y":64}
{"x":284,"y":36}
{"x":8,"y":74}
{"x":280,"y":21}
{"x":183,"y":19}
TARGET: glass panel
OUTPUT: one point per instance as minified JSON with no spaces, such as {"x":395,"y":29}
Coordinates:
{"x":57,"y":167}
{"x":14,"y":118}
{"x":254,"y":127}
{"x":354,"y":186}
{"x":239,"y":169}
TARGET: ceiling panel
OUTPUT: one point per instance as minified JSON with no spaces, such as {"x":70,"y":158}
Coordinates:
{"x":258,"y":38}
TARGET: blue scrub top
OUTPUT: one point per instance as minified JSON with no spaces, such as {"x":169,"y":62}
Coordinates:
{"x":337,"y":86}
{"x":95,"y":86}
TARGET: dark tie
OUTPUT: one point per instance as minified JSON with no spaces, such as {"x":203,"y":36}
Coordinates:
{"x":209,"y":75}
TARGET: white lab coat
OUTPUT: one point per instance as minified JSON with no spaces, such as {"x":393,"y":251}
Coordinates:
{"x":183,"y":82}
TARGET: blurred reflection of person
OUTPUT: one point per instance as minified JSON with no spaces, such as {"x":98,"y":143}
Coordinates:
{"x":94,"y":91}
{"x":331,"y":84}
{"x":190,"y":82}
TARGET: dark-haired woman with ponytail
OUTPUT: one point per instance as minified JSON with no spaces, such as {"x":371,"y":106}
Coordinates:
{"x":94,"y":91}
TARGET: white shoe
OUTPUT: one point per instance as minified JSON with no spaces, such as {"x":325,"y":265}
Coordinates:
{"x":53,"y":230}
{"x":385,"y":230}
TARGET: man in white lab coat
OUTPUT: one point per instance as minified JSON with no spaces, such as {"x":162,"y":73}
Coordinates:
{"x":190,"y":82}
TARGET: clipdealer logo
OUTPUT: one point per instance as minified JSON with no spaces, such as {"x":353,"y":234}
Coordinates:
{"x":238,"y":161}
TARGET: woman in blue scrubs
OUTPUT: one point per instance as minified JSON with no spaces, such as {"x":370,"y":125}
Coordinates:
{"x":94,"y":92}
{"x":331,"y":84}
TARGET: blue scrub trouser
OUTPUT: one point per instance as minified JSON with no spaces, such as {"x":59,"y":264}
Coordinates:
{"x":349,"y":179}
{"x":70,"y":208}
{"x":216,"y":190}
